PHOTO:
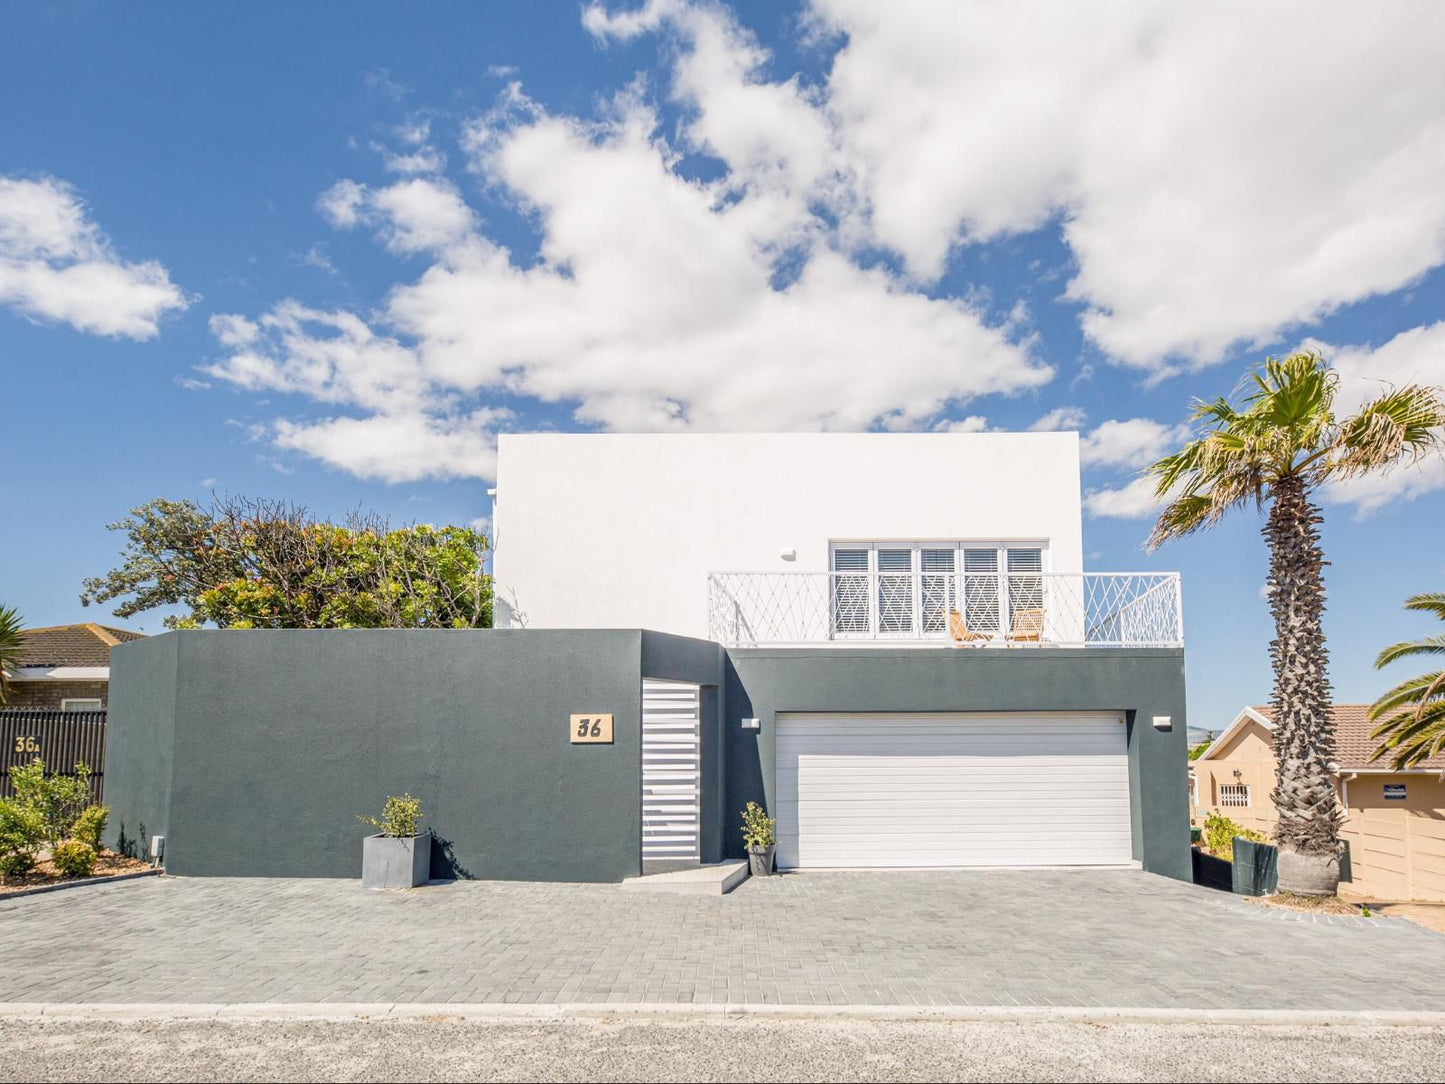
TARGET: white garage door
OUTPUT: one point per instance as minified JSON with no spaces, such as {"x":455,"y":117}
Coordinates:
{"x":951,"y":790}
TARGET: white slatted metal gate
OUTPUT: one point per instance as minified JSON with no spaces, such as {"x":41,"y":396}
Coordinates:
{"x":941,"y":790}
{"x":671,"y":762}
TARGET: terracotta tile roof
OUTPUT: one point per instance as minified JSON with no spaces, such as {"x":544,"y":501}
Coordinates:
{"x":1353,"y":744}
{"x":73,"y":645}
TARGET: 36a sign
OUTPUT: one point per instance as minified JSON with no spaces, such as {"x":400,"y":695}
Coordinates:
{"x":25,"y":743}
{"x":593,"y":728}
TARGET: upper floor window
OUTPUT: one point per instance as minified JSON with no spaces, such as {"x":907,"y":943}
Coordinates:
{"x":1234,"y":794}
{"x":909,"y":589}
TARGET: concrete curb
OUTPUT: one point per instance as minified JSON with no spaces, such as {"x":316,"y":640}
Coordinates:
{"x":84,"y":882}
{"x":715,"y":1013}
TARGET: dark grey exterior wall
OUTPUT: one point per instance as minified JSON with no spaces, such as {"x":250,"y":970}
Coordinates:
{"x":1141,"y":683}
{"x":281,"y":738}
{"x":140,"y":742}
{"x":253,"y":752}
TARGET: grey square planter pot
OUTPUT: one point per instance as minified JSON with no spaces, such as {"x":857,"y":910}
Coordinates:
{"x":395,"y":862}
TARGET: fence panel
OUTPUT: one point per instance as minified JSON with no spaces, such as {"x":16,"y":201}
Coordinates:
{"x":60,"y":738}
{"x":1256,"y":868}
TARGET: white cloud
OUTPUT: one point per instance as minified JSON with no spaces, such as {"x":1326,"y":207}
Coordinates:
{"x":420,"y":159}
{"x":57,"y":265}
{"x":1060,"y":418}
{"x":1135,"y":442}
{"x":656,"y":302}
{"x":1209,"y":194}
{"x":331,"y":357}
{"x":1135,"y":500}
{"x":417,"y":215}
{"x":399,"y":447}
{"x":1217,"y":180}
{"x":974,"y":423}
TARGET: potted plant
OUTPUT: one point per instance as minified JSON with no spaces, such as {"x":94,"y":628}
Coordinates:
{"x":760,"y":840}
{"x":398,"y":856}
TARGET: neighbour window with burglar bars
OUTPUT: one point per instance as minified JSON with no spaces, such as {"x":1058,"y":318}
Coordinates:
{"x":908,"y":590}
{"x":1234,"y":794}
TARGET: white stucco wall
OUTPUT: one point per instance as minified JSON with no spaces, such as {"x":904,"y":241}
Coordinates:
{"x":620,"y":530}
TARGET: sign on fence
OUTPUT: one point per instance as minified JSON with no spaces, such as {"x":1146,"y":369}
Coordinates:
{"x":60,"y":738}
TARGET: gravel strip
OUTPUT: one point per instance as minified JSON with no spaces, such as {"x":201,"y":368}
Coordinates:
{"x":749,"y":1049}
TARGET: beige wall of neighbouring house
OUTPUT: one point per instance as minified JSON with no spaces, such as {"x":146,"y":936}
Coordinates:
{"x":1249,"y":753}
{"x":1397,"y":847}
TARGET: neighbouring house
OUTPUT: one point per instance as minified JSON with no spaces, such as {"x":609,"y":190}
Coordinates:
{"x":1394,"y":820}
{"x":66,"y":667}
{"x":888,"y":640}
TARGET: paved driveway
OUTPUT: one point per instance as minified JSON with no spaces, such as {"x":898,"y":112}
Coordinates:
{"x":1072,"y":938}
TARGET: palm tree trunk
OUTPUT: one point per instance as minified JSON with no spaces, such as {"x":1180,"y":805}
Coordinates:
{"x":1304,"y":736}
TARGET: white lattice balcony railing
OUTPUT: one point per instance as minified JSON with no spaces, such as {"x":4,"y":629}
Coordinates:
{"x":1089,"y":609}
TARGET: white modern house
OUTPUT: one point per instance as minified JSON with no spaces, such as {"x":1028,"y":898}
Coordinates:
{"x":934,"y":678}
{"x":889,"y":641}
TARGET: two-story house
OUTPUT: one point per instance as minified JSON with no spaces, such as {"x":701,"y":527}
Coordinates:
{"x":888,"y":640}
{"x":930,"y":676}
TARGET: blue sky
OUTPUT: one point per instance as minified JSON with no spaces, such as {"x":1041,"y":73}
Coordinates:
{"x":326,"y":252}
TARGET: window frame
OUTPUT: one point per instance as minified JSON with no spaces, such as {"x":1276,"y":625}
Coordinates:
{"x":917,"y":618}
{"x":66,"y":701}
{"x":1233,"y":788}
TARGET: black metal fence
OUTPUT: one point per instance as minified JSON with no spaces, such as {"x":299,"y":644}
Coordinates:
{"x":60,"y":738}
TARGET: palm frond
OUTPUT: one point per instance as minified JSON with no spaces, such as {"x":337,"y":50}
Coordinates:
{"x":1432,"y":602}
{"x":1181,"y":516}
{"x":1399,"y":426}
{"x":1430,"y":645}
{"x":1409,"y":736}
{"x":1410,"y":691}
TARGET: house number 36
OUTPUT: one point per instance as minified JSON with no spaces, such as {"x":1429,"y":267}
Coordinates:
{"x":25,"y":744}
{"x":591,"y":728}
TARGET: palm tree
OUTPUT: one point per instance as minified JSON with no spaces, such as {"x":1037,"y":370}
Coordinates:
{"x":12,"y":641}
{"x":1412,"y":714}
{"x":1274,"y":449}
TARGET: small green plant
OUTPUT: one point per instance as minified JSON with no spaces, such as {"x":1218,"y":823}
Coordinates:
{"x":1365,"y":911}
{"x":1219,"y":833}
{"x":73,"y":858}
{"x":59,"y":799}
{"x":1197,"y":751}
{"x":90,"y":825}
{"x":22,"y":833}
{"x":757,"y":826}
{"x":399,"y":817}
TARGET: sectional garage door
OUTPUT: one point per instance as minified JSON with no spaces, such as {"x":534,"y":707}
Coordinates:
{"x":921,"y":790}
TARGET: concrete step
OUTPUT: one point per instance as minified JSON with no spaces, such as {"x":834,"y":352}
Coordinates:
{"x":714,"y":879}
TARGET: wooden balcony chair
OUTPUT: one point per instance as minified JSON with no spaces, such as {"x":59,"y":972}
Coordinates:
{"x":1028,"y":626}
{"x":962,"y":635}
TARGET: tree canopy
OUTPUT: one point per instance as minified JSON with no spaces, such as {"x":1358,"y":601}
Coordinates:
{"x":245,"y":563}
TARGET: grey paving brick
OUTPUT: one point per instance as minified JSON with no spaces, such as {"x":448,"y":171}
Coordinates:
{"x":1110,"y":938}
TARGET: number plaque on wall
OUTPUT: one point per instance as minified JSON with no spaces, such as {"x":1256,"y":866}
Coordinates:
{"x":591,"y":728}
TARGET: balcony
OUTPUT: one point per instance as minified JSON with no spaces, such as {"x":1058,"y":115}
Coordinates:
{"x":908,"y":609}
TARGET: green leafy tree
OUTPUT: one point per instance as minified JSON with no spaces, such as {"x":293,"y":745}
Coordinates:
{"x":12,"y":646}
{"x":266,"y":564}
{"x":1272,"y":450}
{"x":1411,"y":716}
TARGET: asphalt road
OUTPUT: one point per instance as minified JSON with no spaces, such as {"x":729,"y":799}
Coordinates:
{"x":780,"y":1049}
